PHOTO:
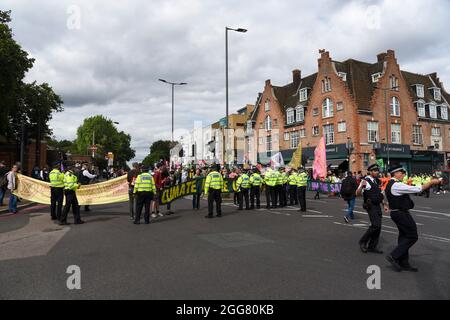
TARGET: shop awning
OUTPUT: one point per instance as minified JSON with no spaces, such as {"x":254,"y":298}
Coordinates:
{"x":333,"y":163}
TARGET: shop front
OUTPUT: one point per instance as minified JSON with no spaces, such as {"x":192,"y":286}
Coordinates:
{"x":337,"y":157}
{"x":395,"y":154}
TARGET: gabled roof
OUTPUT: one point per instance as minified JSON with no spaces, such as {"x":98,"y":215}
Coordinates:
{"x":414,"y":78}
{"x":288,"y":95}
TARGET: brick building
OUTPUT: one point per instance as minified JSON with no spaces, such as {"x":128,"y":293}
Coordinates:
{"x":366,"y":111}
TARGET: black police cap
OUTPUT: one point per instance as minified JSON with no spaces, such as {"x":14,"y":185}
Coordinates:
{"x":373,"y":167}
{"x":396,"y":169}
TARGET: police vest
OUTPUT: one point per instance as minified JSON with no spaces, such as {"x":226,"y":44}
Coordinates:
{"x":402,"y":202}
{"x":144,"y":183}
{"x":56,"y":179}
{"x":374,"y":194}
{"x":302,"y":179}
{"x":270,"y":178}
{"x":70,"y":182}
{"x":255,"y":180}
{"x":293,"y":179}
{"x":214,"y":180}
{"x":285,"y":177}
{"x":243,"y":181}
{"x":279,"y":176}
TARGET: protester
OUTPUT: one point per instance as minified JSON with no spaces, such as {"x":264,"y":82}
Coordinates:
{"x":198,"y":189}
{"x":348,"y":193}
{"x":3,"y":181}
{"x":131,"y":178}
{"x":12,"y":185}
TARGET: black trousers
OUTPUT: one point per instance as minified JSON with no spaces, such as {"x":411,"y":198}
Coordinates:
{"x":274,"y":196}
{"x":56,"y":202}
{"x":71,"y":201}
{"x":268,"y":195}
{"x":407,"y":236}
{"x":214,"y":195}
{"x":283,"y":195}
{"x":255,"y":193}
{"x":372,"y":234}
{"x":236,"y":198}
{"x":244,"y":195}
{"x":293,"y":198}
{"x":143,"y":200}
{"x":131,"y":201}
{"x":302,"y":197}
{"x":196,"y":200}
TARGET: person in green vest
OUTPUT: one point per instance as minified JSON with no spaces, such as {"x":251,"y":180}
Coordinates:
{"x":71,"y":186}
{"x":145,"y":189}
{"x":56,"y":192}
{"x":426,"y":179}
{"x":255,"y":188}
{"x":284,"y":188}
{"x":292,"y":181}
{"x":213,"y":188}
{"x":243,"y":185}
{"x":279,"y":187}
{"x":302,"y":182}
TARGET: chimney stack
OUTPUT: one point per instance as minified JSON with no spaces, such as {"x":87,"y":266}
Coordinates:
{"x":296,"y":76}
{"x":381,"y":56}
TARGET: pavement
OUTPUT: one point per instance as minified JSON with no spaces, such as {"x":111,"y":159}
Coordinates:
{"x":20,"y":205}
{"x":257,"y":254}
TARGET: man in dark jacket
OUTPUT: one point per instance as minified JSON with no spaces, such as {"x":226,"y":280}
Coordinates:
{"x":131,"y":178}
{"x":348,"y":193}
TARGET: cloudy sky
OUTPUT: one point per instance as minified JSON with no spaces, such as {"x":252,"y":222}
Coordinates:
{"x":105,"y":57}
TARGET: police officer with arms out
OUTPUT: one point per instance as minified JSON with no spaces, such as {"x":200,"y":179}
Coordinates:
{"x":302,"y":182}
{"x":292,"y":181}
{"x":400,"y":203}
{"x":144,"y":189}
{"x":213,"y":188}
{"x":243,"y":185}
{"x":57,"y":192}
{"x":370,"y":186}
{"x":255,"y":183}
{"x":70,"y":187}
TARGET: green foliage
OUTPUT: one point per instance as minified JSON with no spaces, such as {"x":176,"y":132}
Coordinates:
{"x":63,"y":145}
{"x":159,"y":150}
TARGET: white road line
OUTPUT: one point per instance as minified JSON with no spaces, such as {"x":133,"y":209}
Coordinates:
{"x":313,"y":211}
{"x":384,"y":216}
{"x":316,"y":216}
{"x":432,"y":212}
{"x":317,"y":200}
{"x":436,"y":218}
{"x":430,"y":235}
{"x":424,"y":207}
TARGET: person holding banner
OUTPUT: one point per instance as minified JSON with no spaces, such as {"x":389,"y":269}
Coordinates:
{"x":70,"y":187}
{"x":213,"y":188}
{"x":56,"y":192}
{"x":144,"y":188}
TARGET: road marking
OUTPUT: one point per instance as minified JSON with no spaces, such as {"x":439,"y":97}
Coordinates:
{"x":317,"y":200}
{"x":316,"y":216}
{"x":385,"y":216}
{"x":432,"y":212}
{"x":424,"y":207}
{"x":309,"y":210}
{"x":421,"y":215}
{"x":430,"y":235}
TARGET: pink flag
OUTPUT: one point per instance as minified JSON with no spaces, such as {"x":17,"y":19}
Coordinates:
{"x":320,"y":160}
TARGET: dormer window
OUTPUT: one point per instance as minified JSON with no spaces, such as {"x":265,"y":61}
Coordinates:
{"x":444,"y":112}
{"x":290,"y":116}
{"x":420,"y":109}
{"x":376,"y":77}
{"x":437,"y":94}
{"x":267,"y":106}
{"x":433,"y":112}
{"x":343,"y":76}
{"x":419,"y":91}
{"x":300,"y":114}
{"x":303,"y":94}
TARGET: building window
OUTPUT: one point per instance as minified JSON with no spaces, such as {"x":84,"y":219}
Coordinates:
{"x":326,"y":85}
{"x":340,"y":106}
{"x":436,"y":131}
{"x":417,"y":135}
{"x":267,"y":106}
{"x":376,"y":77}
{"x":396,"y":134}
{"x":444,"y":112}
{"x":343,"y":76}
{"x":269,"y":143}
{"x":303,"y":94}
{"x":419,"y":91}
{"x":327,"y":108}
{"x":433,"y":112}
{"x":315,"y":131}
{"x":260,"y":140}
{"x":300,"y":114}
{"x":294,"y":139}
{"x":372,"y":131}
{"x":395,"y":107}
{"x":342,"y":127}
{"x":249,"y":127}
{"x":290,"y":115}
{"x":421,"y":109}
{"x":393,"y":80}
{"x":315,"y":112}
{"x":268,"y":124}
{"x":437,"y":94}
{"x":328,"y":132}
{"x":302,"y":133}
{"x":286,"y":136}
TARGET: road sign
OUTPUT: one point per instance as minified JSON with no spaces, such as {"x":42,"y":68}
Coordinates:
{"x":93,"y":148}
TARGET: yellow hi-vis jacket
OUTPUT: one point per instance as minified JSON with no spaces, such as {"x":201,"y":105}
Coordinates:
{"x":270,"y":178}
{"x":256,"y":180}
{"x":302,"y":179}
{"x":214,"y":180}
{"x":293,"y":179}
{"x":144,"y":183}
{"x":71,"y":181}
{"x":56,"y":179}
{"x":243,"y":181}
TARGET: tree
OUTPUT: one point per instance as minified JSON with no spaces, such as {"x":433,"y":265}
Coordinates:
{"x":107,"y":138}
{"x":159,"y":150}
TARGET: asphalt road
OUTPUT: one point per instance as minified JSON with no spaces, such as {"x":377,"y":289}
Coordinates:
{"x":260,"y":254}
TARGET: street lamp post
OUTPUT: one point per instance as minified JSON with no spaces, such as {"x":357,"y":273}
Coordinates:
{"x":226,"y":80}
{"x":173,"y":84}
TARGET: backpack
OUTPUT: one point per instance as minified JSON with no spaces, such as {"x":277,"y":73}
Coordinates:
{"x":346,"y":189}
{"x":4,"y":181}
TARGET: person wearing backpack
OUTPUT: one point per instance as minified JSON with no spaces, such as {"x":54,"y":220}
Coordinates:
{"x":348,"y":193}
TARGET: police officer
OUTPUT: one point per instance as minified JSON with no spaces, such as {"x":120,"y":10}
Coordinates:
{"x":70,"y":187}
{"x":292,"y":181}
{"x":85,"y":178}
{"x":302,"y":182}
{"x":144,"y":189}
{"x":284,"y":187}
{"x":213,"y":188}
{"x":278,"y":187}
{"x":270,"y":179}
{"x":255,"y":183}
{"x":370,"y":186}
{"x":400,"y":203}
{"x":266,"y":175}
{"x":56,"y":193}
{"x":243,"y":185}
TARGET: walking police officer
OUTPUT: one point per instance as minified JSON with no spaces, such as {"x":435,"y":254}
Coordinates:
{"x":144,"y":188}
{"x":302,"y":182}
{"x":243,"y":185}
{"x":57,"y":192}
{"x":213,"y":188}
{"x":373,"y":199}
{"x":400,"y":203}
{"x":70,"y":187}
{"x":255,"y":183}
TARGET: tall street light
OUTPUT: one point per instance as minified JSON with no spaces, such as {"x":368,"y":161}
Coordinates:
{"x":226,"y":74}
{"x":173,"y":84}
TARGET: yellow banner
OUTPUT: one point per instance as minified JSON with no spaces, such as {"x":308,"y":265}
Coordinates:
{"x":111,"y":191}
{"x":296,"y":160}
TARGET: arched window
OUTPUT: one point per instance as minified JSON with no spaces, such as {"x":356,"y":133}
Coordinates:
{"x":268,"y":123}
{"x":300,"y":114}
{"x":290,"y":116}
{"x":327,"y":108}
{"x":395,"y":107}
